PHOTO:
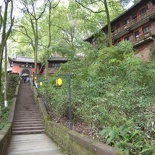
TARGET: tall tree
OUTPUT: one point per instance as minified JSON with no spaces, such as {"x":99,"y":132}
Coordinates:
{"x":50,"y":7}
{"x":30,"y":8}
{"x":63,"y":33}
{"x":6,"y":23}
{"x":88,"y":4}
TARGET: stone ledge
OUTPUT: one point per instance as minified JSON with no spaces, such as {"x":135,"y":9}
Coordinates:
{"x":102,"y":149}
{"x":5,"y":133}
{"x":12,"y":110}
{"x":81,"y":139}
{"x":17,"y":89}
{"x":42,"y":109}
{"x":76,"y":143}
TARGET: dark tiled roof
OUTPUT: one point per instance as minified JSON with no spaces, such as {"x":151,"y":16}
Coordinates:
{"x":22,"y":59}
{"x":57,"y":59}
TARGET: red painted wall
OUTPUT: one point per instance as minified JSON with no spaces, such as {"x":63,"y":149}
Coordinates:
{"x":18,"y":69}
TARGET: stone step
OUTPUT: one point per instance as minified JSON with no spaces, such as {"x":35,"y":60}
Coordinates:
{"x":25,"y":132}
{"x":27,"y":125}
{"x":27,"y":117}
{"x":21,"y":111}
{"x":29,"y":107}
{"x":34,"y":122}
{"x":27,"y":114}
{"x":25,"y":111}
{"x":27,"y":128}
{"x":27,"y":121}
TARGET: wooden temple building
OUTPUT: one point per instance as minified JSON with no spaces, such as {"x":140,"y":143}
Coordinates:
{"x":54,"y":63}
{"x":25,"y":66}
{"x":137,"y":24}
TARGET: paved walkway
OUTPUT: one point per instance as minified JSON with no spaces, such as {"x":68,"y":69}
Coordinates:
{"x":33,"y":144}
{"x":29,"y":137}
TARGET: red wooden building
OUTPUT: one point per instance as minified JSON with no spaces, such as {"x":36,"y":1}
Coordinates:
{"x":137,"y":25}
{"x":54,"y":63}
{"x":23,"y":65}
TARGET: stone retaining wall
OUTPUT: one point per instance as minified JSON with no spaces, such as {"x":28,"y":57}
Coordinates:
{"x":74,"y":143}
{"x":5,"y":133}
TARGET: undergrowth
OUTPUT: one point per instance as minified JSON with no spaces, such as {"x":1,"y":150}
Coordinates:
{"x":113,"y":92}
{"x":4,"y":111}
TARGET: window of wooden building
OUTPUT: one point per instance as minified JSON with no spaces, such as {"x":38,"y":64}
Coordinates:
{"x":127,"y":38}
{"x":143,"y":11}
{"x":26,"y":65}
{"x":54,"y":65}
{"x":146,"y":29}
{"x":125,"y":23}
{"x":137,"y":35}
{"x":31,"y":65}
{"x":22,"y":65}
{"x":118,"y":26}
{"x":134,"y":17}
{"x":113,"y":29}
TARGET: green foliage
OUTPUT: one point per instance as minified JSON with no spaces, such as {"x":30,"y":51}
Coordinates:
{"x":99,"y":37}
{"x":124,"y":47}
{"x":130,"y":140}
{"x":113,"y":91}
{"x":3,"y":116}
{"x":12,"y":83}
{"x":4,"y":111}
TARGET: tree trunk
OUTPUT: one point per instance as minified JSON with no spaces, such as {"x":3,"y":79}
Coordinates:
{"x":109,"y":24}
{"x":36,"y":46}
{"x":6,"y":81}
{"x":50,"y":37}
{"x":5,"y":33}
{"x":1,"y":51}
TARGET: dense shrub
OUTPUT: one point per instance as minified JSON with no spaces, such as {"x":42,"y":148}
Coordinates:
{"x":114,"y":94}
{"x":4,"y":111}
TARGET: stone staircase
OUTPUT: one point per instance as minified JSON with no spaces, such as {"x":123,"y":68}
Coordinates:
{"x":27,"y":118}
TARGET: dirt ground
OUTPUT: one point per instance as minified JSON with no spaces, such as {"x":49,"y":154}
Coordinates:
{"x":80,"y":127}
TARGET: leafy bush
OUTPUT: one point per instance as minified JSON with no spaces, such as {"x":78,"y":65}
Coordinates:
{"x":114,"y":94}
{"x":12,"y":83}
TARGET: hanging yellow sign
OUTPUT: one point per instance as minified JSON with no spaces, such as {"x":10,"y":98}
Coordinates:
{"x":58,"y":82}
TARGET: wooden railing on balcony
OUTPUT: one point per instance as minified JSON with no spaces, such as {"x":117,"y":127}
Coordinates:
{"x":145,"y":36}
{"x":142,"y":37}
{"x":134,"y":21}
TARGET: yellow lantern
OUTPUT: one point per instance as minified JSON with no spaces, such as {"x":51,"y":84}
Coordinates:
{"x":41,"y":84}
{"x":59,"y":82}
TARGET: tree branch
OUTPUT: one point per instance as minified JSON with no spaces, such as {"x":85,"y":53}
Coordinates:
{"x":89,"y":8}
